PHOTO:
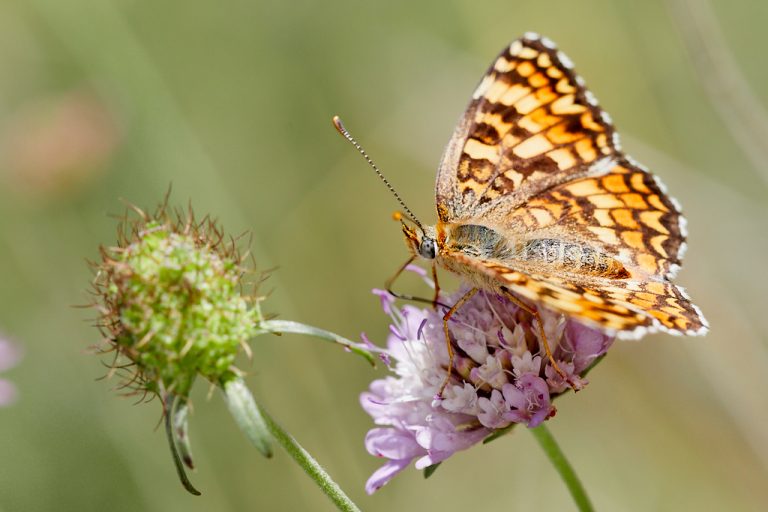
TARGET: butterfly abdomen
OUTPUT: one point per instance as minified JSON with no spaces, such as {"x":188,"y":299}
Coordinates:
{"x":569,"y":256}
{"x":483,"y":242}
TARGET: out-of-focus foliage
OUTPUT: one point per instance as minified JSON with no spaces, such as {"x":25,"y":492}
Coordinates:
{"x":231,"y":103}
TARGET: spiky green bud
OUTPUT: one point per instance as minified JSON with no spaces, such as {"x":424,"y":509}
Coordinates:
{"x":171,"y":300}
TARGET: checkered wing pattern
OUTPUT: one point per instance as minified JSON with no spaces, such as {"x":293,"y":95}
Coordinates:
{"x":531,"y":124}
{"x":627,"y":308}
{"x":535,"y":158}
{"x":626,"y":213}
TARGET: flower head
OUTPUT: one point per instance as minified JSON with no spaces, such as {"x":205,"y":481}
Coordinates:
{"x":10,"y":355}
{"x":170,"y":298}
{"x":500,"y":377}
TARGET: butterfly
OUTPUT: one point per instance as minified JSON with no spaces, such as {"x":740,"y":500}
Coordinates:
{"x":536,"y":200}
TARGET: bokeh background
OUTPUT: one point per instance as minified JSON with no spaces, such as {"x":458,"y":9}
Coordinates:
{"x":231,"y":103}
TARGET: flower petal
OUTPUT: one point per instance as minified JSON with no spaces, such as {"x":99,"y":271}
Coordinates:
{"x":384,"y":474}
{"x":392,"y":443}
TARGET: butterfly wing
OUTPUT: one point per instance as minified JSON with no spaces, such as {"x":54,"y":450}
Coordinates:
{"x":531,"y":124}
{"x":624,"y":213}
{"x":627,"y":308}
{"x":534,"y":157}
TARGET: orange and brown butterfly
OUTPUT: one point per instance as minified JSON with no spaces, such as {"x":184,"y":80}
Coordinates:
{"x":536,"y":200}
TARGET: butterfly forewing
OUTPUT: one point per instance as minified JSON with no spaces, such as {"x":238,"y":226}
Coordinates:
{"x":531,"y":124}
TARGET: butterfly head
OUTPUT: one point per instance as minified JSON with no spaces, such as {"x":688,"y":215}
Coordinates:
{"x":421,"y":240}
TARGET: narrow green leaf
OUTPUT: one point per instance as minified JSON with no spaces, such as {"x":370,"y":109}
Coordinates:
{"x":179,"y":419}
{"x":247,"y":415}
{"x":169,"y":402}
{"x":288,"y":326}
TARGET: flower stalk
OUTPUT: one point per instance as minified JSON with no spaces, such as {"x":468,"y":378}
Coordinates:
{"x":565,"y":470}
{"x":307,"y":462}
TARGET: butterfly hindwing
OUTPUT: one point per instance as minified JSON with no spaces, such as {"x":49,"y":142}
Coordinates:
{"x":625,"y":213}
{"x":627,"y":308}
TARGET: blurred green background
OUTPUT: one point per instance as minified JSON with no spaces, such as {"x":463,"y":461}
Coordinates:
{"x":231,"y":102}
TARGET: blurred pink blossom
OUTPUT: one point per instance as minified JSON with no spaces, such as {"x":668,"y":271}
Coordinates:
{"x":53,"y":144}
{"x":10,"y":354}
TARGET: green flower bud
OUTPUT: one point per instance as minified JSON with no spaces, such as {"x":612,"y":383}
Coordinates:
{"x":171,"y":301}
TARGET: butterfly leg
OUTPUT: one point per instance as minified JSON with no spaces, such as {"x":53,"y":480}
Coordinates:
{"x":389,"y":282}
{"x":448,"y":346}
{"x":437,"y":287}
{"x":534,"y":312}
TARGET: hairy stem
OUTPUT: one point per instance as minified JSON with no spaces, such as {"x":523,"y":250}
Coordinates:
{"x":260,"y":428}
{"x":557,"y":457}
{"x":309,"y":465}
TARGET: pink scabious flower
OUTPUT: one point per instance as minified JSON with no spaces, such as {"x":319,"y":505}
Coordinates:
{"x":9,"y":357}
{"x":500,"y":376}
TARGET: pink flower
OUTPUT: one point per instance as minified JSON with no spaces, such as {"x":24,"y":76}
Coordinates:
{"x":10,"y":355}
{"x":501,"y":376}
{"x":528,"y":400}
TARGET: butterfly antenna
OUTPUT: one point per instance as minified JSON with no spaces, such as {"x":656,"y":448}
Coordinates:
{"x":343,"y":131}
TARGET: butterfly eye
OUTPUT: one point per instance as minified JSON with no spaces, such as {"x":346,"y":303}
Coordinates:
{"x":428,"y":248}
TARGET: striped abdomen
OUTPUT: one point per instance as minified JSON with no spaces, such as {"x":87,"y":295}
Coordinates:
{"x":573,"y":257}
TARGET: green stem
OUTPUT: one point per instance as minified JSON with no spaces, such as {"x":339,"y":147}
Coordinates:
{"x":282,"y":326}
{"x":557,"y":457}
{"x":309,"y":465}
{"x":252,"y":419}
